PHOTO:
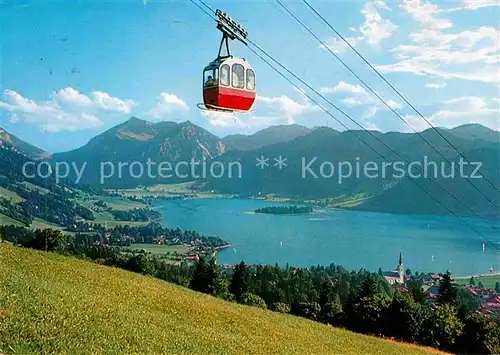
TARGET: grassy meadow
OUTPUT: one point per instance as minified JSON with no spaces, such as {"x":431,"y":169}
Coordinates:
{"x":55,"y":304}
{"x":163,"y":249}
{"x":488,"y":281}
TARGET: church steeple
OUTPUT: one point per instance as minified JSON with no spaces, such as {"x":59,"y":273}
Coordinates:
{"x":400,"y":269}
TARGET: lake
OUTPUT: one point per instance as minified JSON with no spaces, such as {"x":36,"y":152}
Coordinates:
{"x":350,"y":238}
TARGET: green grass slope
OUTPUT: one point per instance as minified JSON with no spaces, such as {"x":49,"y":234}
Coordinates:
{"x":54,"y":304}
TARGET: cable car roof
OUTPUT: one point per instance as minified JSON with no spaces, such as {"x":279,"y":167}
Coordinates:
{"x":228,"y":60}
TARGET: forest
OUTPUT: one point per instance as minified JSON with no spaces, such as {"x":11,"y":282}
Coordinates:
{"x":361,"y":301}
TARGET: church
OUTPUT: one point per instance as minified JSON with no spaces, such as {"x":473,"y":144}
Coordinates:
{"x":396,"y":277}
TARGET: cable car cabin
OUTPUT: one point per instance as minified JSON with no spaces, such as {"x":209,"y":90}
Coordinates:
{"x":229,"y":85}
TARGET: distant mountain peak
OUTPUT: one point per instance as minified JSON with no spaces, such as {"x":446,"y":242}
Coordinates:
{"x":17,"y":144}
{"x":476,"y":131}
{"x":135,"y":119}
{"x":267,"y":136}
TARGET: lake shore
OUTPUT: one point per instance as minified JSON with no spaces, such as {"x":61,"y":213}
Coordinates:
{"x":353,"y":239}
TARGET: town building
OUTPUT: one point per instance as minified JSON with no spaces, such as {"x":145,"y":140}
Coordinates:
{"x":397,"y":276}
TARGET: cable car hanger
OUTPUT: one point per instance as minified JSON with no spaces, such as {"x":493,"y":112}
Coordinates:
{"x":228,"y":81}
{"x":231,"y":30}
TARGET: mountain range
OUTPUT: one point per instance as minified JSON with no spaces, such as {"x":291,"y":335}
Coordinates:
{"x":267,"y":136}
{"x":324,"y":148}
{"x":8,"y":140}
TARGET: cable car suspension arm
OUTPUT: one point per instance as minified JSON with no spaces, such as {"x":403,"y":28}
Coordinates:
{"x":231,"y":30}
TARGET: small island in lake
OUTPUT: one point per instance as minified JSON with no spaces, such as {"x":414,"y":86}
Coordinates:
{"x":285,"y":210}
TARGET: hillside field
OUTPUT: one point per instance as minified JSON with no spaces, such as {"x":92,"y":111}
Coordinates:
{"x":55,"y":304}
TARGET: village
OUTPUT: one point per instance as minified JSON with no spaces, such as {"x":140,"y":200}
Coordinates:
{"x":488,"y":298}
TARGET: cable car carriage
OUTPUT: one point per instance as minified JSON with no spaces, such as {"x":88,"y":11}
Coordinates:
{"x":228,"y":81}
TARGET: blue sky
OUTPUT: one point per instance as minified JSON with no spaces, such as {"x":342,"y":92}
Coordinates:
{"x":71,"y":70}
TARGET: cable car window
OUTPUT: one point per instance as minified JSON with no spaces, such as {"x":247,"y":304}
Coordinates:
{"x":224,"y":75}
{"x":238,"y":76}
{"x":250,"y":80}
{"x":210,"y":77}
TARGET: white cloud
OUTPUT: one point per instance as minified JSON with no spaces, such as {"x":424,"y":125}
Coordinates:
{"x":358,"y":96}
{"x":370,"y":112}
{"x":266,"y":111}
{"x":67,"y":110}
{"x":108,"y":103}
{"x":425,"y":13}
{"x":223,"y":119}
{"x":352,"y":101}
{"x":435,"y":85}
{"x":343,"y":87}
{"x":285,"y":106}
{"x":167,"y":103}
{"x":374,"y":29}
{"x":71,"y":97}
{"x":459,"y":111}
{"x":381,"y":5}
{"x":13,"y":118}
{"x":393,"y":104}
{"x":339,"y":46}
{"x":475,"y":5}
{"x":435,"y":51}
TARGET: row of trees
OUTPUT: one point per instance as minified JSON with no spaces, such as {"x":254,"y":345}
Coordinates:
{"x":125,"y":235}
{"x":357,"y":300}
{"x":136,"y":214}
{"x":15,"y":211}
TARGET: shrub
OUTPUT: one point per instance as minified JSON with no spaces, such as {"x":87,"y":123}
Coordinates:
{"x":309,"y":310}
{"x":251,"y":299}
{"x":281,"y":307}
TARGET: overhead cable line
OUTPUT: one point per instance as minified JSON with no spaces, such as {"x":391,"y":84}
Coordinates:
{"x":371,"y":134}
{"x":359,"y":125}
{"x":380,"y":98}
{"x":435,"y":129}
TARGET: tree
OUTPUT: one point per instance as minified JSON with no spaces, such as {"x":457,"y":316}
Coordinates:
{"x":251,"y":299}
{"x":472,"y":281}
{"x":480,"y":284}
{"x":326,"y":293}
{"x":331,"y":312}
{"x":447,"y":289}
{"x":497,"y":287}
{"x":369,"y":286}
{"x":368,"y":314}
{"x":217,"y":285}
{"x":310,"y":310}
{"x":408,"y":272}
{"x":481,"y":335}
{"x":240,"y":281}
{"x":199,"y":281}
{"x":221,"y":288}
{"x":141,"y":263}
{"x":380,"y":272}
{"x":415,"y":287}
{"x":207,"y":278}
{"x":466,"y":303}
{"x":49,"y":240}
{"x":443,"y":327}
{"x":405,"y":318}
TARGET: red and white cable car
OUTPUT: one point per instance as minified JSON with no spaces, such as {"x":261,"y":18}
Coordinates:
{"x":228,"y":81}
